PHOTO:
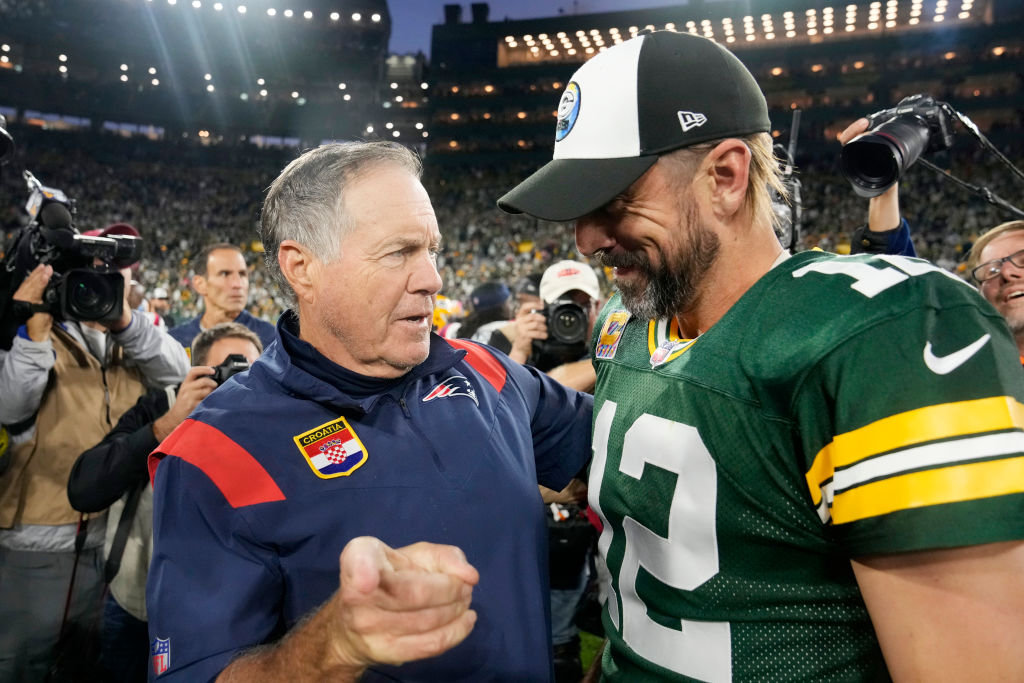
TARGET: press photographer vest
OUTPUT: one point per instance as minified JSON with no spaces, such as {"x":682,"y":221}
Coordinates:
{"x":81,"y":403}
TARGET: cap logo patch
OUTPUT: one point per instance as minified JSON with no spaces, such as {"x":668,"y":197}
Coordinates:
{"x":332,"y":449}
{"x":161,"y":653}
{"x":691,"y":119}
{"x":611,"y":334}
{"x":452,"y":386}
{"x":568,"y":111}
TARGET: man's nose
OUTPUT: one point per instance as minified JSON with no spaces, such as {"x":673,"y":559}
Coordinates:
{"x":425,"y":277}
{"x":593,"y":233}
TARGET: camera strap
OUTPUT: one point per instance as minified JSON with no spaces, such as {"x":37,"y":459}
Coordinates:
{"x":124,"y":525}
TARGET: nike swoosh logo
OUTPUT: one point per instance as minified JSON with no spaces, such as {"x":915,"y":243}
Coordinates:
{"x":943,"y":365}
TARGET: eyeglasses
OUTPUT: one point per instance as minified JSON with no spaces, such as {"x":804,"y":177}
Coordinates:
{"x":990,"y":269}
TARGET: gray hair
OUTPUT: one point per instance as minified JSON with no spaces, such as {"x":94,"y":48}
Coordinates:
{"x":306,"y":203}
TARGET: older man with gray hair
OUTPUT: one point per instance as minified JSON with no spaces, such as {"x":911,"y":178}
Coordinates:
{"x":360,"y":430}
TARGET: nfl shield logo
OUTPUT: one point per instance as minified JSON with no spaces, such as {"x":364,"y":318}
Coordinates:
{"x":161,"y":651}
{"x":332,"y":449}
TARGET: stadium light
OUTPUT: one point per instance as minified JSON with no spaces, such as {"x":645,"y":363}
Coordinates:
{"x":124,"y":78}
{"x":244,"y":97}
{"x":375,"y":18}
{"x":4,"y":59}
{"x":342,"y":86}
{"x":63,"y":69}
{"x":207,"y":77}
{"x":356,"y":16}
{"x":288,"y":13}
{"x":394,"y":86}
{"x":197,"y":4}
{"x":347,"y":97}
{"x":395,"y":133}
{"x":307,"y":14}
{"x":419,"y":126}
{"x":389,"y":125}
{"x":398,"y":98}
{"x":424,"y":86}
{"x":295,"y":94}
{"x":218,"y":6}
{"x":5,"y":47}
{"x":62,"y":58}
{"x":271,"y":12}
{"x":172,"y":2}
{"x":263,"y":92}
{"x":209,"y":88}
{"x":152,"y":71}
{"x":369,"y":129}
{"x":425,"y":133}
{"x":335,"y":16}
{"x":241,"y":9}
{"x":155,"y":81}
{"x":124,"y":67}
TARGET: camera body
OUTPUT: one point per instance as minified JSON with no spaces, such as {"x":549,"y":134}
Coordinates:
{"x":232,"y":365}
{"x":895,"y":138}
{"x":568,"y":325}
{"x":86,"y":284}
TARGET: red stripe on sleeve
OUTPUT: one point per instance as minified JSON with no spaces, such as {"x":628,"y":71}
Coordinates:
{"x":231,"y":468}
{"x":483,"y":362}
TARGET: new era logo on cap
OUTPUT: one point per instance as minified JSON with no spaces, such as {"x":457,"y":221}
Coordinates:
{"x":690,"y":120}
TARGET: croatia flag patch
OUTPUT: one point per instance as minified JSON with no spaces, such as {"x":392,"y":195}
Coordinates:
{"x":161,"y":651}
{"x":332,"y":449}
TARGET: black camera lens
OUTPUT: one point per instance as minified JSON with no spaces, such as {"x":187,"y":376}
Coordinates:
{"x":92,"y":295}
{"x":872,"y":162}
{"x":567,"y":323}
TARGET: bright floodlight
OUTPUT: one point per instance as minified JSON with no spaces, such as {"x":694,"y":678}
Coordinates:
{"x":288,"y":13}
{"x":155,"y":81}
{"x":271,"y":12}
{"x":209,"y":88}
{"x":307,"y":14}
{"x":374,"y":17}
{"x":260,"y":81}
{"x":124,"y":79}
{"x":356,"y":16}
{"x":295,"y":93}
{"x":241,"y":9}
{"x":196,"y":4}
{"x":217,"y":6}
{"x":263,"y":93}
{"x":152,"y":70}
{"x":208,"y":77}
{"x":335,"y":16}
{"x":347,"y":97}
{"x":342,"y":86}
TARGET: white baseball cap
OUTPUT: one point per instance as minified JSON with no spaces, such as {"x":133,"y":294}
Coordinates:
{"x":566,"y":276}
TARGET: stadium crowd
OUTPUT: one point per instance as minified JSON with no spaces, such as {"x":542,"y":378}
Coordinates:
{"x":183,"y":195}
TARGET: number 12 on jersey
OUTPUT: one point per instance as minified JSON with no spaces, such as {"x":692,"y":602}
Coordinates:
{"x":684,"y":560}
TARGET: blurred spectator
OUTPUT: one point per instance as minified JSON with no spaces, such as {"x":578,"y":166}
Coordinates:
{"x":161,"y":305}
{"x":222,"y":279}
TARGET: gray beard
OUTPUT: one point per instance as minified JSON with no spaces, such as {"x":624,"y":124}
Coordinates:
{"x":671,"y":287}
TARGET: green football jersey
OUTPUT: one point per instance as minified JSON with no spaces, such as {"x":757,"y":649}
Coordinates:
{"x":844,"y":406}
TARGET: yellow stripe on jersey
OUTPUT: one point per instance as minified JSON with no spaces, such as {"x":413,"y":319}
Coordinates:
{"x":930,"y":487}
{"x":943,"y":421}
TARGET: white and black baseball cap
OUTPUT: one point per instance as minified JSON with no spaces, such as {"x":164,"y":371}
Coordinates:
{"x":649,"y":95}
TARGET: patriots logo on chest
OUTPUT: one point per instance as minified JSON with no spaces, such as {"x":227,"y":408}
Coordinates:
{"x":452,"y":386}
{"x":332,"y":449}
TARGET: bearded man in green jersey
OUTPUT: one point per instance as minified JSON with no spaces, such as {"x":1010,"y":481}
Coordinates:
{"x":809,"y":467}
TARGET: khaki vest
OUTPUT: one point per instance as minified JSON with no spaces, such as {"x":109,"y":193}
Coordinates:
{"x":81,"y":403}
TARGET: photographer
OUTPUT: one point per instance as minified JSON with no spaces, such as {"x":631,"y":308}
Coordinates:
{"x":63,"y":385}
{"x":569,"y":364}
{"x":113,"y":474}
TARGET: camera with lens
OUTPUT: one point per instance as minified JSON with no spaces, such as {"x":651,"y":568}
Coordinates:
{"x":568,"y":325}
{"x":895,"y":138}
{"x":232,"y":365}
{"x":86,"y":282}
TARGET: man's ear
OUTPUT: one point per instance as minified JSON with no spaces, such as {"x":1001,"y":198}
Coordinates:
{"x":199,"y":284}
{"x":300,"y":268}
{"x":728,"y":168}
